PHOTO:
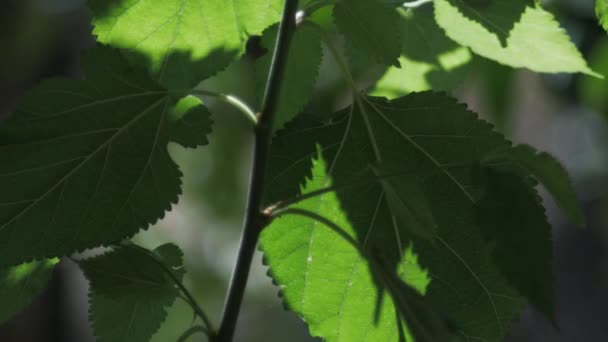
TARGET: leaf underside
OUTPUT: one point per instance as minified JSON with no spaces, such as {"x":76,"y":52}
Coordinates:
{"x":343,"y":294}
{"x":85,"y":163}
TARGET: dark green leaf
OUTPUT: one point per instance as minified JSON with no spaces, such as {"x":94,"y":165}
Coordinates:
{"x":513,"y":218}
{"x":130,"y":292}
{"x":85,"y":163}
{"x":301,"y":71}
{"x":19,"y":285}
{"x":370,"y":26}
{"x":340,"y":292}
{"x":524,"y":160}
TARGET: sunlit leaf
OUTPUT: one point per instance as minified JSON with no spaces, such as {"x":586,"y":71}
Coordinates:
{"x":536,"y":42}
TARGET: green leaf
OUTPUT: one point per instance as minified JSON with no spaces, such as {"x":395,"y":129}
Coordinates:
{"x":181,"y":42}
{"x":301,"y":71}
{"x":601,"y":10}
{"x":190,"y":122}
{"x":85,"y":163}
{"x":342,"y":294}
{"x":371,"y":27}
{"x":496,"y":16}
{"x":130,"y":292}
{"x":524,"y":254}
{"x":429,"y":59}
{"x":524,"y":160}
{"x":407,"y":202}
{"x":593,"y":90}
{"x":536,"y":42}
{"x":19,"y":285}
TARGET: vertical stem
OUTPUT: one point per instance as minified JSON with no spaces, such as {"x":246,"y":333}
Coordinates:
{"x":254,"y":219}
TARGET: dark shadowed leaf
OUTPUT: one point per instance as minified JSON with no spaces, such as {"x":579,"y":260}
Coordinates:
{"x":130,"y":292}
{"x":85,"y":163}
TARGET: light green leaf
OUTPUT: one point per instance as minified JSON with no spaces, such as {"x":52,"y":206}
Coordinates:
{"x":429,"y":59}
{"x":301,"y":71}
{"x":371,"y":27}
{"x":85,"y":163}
{"x":593,"y":90}
{"x":336,"y":289}
{"x":181,"y":42}
{"x":536,"y":42}
{"x":19,"y":285}
{"x":524,"y":160}
{"x":601,"y":10}
{"x":130,"y":292}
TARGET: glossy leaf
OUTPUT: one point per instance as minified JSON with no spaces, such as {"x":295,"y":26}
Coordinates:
{"x":21,"y":284}
{"x":130,"y":292}
{"x":341,"y":294}
{"x":301,"y":72}
{"x":536,"y":42}
{"x":429,"y":59}
{"x":85,"y":163}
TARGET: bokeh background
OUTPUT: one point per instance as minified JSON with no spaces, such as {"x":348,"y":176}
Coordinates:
{"x":566,"y":115}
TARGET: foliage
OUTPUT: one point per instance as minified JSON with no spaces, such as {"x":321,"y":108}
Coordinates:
{"x":403,"y":217}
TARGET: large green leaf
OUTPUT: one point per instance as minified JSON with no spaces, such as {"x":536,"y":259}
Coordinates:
{"x":370,"y":27}
{"x":524,"y":160}
{"x":130,"y":292}
{"x":301,"y":71}
{"x":432,"y":140}
{"x":429,"y":59}
{"x":601,"y":10}
{"x":19,"y":285}
{"x":536,"y":42}
{"x":85,"y":163}
{"x":181,"y":42}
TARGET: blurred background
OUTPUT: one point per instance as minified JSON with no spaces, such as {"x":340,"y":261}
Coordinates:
{"x":566,"y":115}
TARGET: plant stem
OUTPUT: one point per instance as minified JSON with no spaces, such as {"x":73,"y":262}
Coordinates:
{"x":255,"y":220}
{"x":229,"y":99}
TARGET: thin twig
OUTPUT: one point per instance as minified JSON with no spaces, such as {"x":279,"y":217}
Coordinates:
{"x":254,"y":219}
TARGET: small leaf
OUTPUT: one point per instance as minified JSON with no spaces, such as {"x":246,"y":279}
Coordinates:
{"x":370,"y":26}
{"x":130,"y":292}
{"x":19,"y":285}
{"x":513,"y":218}
{"x":533,"y":43}
{"x":301,"y":71}
{"x":190,"y":122}
{"x":181,"y":42}
{"x":524,"y":160}
{"x":601,"y":10}
{"x":429,"y":59}
{"x":85,"y":163}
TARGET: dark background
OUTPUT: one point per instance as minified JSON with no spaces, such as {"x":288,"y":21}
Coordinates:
{"x":563,"y":114}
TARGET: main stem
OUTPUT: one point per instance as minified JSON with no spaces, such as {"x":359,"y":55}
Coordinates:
{"x":255,"y":220}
